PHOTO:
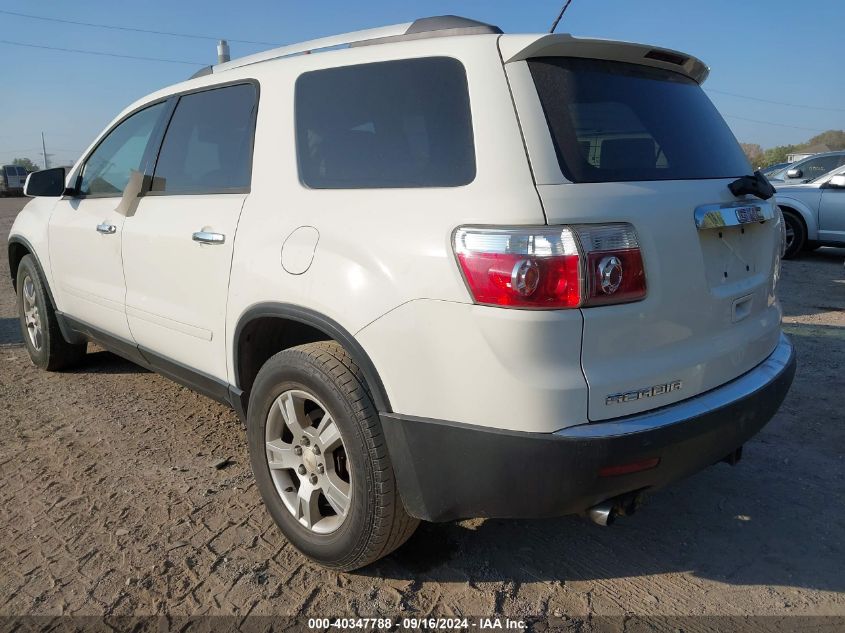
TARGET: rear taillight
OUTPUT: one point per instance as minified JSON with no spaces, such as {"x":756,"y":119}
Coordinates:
{"x":615,"y":272}
{"x":551,"y":267}
{"x":521,"y":267}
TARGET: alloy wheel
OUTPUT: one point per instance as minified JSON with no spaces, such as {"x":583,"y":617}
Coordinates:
{"x":32,"y":318}
{"x":307,"y":461}
{"x":790,"y":235}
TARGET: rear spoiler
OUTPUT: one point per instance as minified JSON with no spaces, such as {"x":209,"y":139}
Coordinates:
{"x":515,"y":48}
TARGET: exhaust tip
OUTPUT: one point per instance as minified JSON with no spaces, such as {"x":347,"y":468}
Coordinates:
{"x":602,"y":514}
{"x":606,"y":512}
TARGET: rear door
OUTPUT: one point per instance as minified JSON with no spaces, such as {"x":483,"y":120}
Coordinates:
{"x":644,"y":145}
{"x":177,"y":246}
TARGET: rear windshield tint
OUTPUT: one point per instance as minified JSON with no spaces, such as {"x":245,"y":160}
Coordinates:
{"x":612,"y":121}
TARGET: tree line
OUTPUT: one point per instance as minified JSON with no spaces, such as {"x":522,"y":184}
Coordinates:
{"x":758,"y":157}
{"x":26,"y":164}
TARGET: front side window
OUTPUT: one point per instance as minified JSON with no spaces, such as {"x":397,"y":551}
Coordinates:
{"x":403,"y":123}
{"x":613,"y":121}
{"x":208,"y":145}
{"x":108,"y":169}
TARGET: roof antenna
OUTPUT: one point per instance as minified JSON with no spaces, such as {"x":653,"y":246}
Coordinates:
{"x":223,"y":52}
{"x":560,"y":15}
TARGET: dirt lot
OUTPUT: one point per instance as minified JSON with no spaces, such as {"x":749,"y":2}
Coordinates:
{"x":110,"y":506}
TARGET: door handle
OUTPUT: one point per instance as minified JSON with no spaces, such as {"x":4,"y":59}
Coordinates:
{"x":204,"y":237}
{"x":106,"y":229}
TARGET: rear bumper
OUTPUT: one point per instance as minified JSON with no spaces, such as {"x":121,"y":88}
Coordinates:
{"x":448,"y":471}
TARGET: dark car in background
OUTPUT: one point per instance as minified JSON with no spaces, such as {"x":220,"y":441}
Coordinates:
{"x":808,"y":169}
{"x":12,"y":180}
{"x":771,"y":169}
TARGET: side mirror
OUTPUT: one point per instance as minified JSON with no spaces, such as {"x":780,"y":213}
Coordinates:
{"x":794,"y":173}
{"x":47,"y":183}
{"x":837,"y":182}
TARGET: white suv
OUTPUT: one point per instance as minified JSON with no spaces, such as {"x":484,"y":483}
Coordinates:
{"x":440,"y":272}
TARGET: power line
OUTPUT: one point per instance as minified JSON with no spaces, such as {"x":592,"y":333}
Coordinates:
{"x":102,"y":54}
{"x":794,"y":127}
{"x":559,"y":16}
{"x":129,"y":28}
{"x":783,"y":103}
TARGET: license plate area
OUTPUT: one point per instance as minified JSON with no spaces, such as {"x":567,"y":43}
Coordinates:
{"x":731,"y":256}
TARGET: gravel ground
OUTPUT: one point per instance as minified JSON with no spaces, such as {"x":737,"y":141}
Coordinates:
{"x":110,"y":506}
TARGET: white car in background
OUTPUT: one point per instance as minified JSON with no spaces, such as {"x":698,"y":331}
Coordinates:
{"x":814,"y":212}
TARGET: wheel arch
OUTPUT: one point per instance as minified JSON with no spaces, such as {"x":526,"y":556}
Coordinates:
{"x":790,"y":205}
{"x":288,"y":325}
{"x":18,"y":248}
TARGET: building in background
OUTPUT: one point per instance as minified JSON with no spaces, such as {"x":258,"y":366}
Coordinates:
{"x":807,"y":152}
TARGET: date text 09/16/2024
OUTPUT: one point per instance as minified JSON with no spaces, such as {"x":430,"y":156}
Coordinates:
{"x":417,"y":624}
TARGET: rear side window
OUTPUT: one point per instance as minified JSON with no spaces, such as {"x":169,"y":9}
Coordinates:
{"x":612,"y":121}
{"x":393,"y":124}
{"x":208,"y":144}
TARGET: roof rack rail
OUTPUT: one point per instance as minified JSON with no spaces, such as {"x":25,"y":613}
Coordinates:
{"x":436,"y":26}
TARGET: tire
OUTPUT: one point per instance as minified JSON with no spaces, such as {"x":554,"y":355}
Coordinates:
{"x":795,"y":229}
{"x":317,"y":384}
{"x":39,"y":326}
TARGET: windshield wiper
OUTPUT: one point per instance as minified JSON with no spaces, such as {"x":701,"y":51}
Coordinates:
{"x":756,"y":185}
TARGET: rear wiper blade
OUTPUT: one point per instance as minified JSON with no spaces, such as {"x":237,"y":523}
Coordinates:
{"x":756,"y":185}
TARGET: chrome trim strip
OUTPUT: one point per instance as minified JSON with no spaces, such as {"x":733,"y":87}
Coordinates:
{"x":742,"y":387}
{"x":714,"y":216}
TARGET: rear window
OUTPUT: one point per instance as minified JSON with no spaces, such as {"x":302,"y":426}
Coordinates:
{"x":612,"y":121}
{"x":403,"y":123}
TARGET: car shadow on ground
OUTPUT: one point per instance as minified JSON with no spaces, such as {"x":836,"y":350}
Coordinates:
{"x":99,"y":361}
{"x":96,"y":361}
{"x":811,"y":301}
{"x":723,"y":524}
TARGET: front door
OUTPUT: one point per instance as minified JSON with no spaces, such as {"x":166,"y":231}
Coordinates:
{"x":832,"y":214}
{"x":86,"y":229}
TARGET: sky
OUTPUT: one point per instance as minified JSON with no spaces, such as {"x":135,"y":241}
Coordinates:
{"x":774,"y":51}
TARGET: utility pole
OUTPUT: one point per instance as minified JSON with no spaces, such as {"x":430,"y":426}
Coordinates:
{"x":44,"y":153}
